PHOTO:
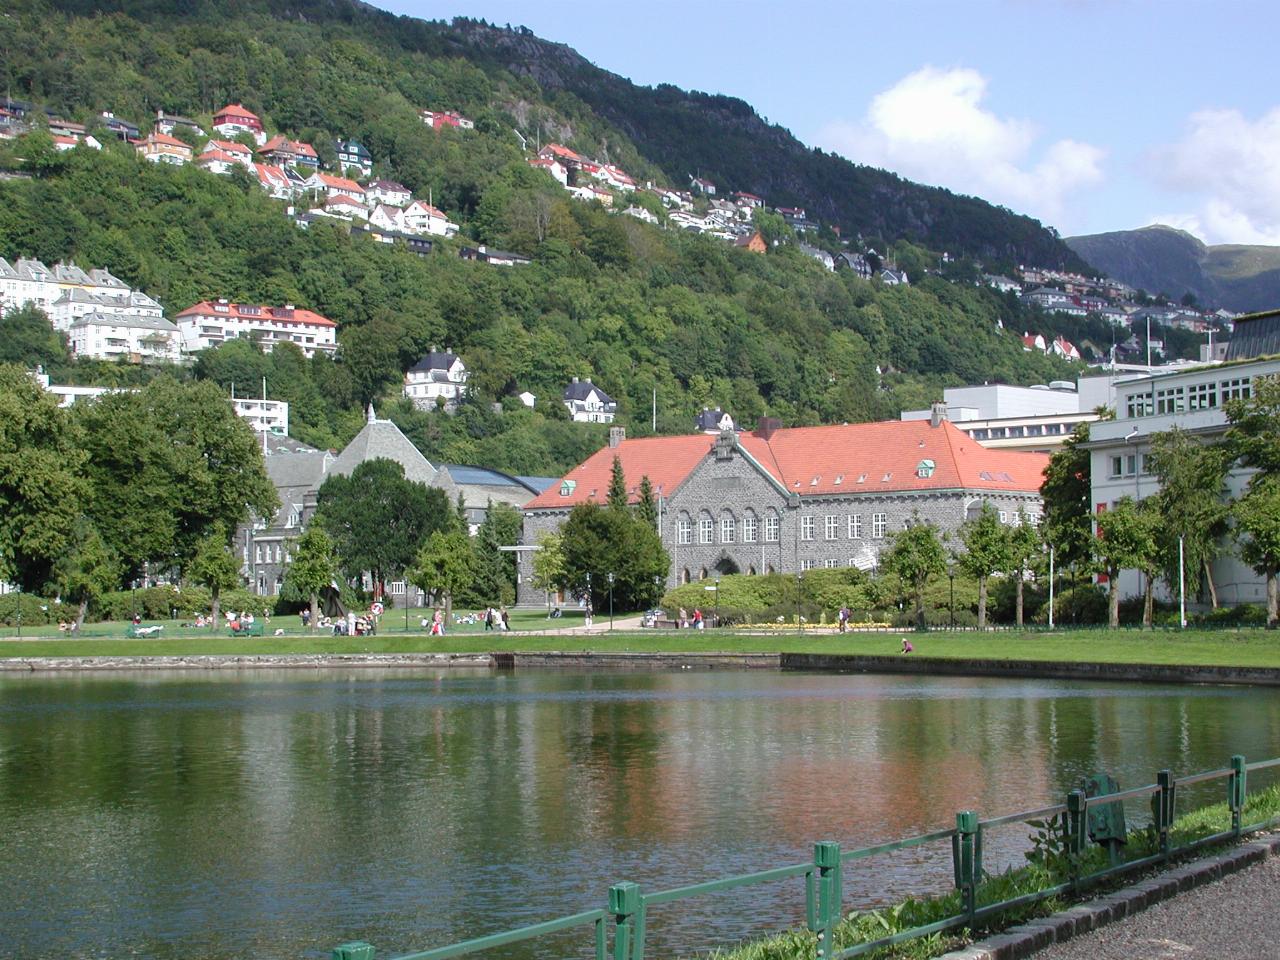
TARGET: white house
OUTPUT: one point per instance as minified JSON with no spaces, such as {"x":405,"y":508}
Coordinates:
{"x":640,"y":213}
{"x":332,"y":186}
{"x":265,"y":416}
{"x":421,"y":217}
{"x":134,"y":337}
{"x":209,"y":323}
{"x":587,"y":403}
{"x":438,"y":378}
{"x":387,"y":217}
{"x":388,"y":192}
{"x":274,"y":181}
{"x":76,"y":302}
{"x":554,"y":167}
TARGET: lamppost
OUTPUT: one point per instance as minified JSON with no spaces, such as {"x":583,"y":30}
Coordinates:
{"x":610,"y":603}
{"x":588,"y":611}
{"x":717,"y":601}
{"x":134,"y":598}
{"x":951,"y":575}
{"x":799,"y":583}
{"x":1051,"y":586}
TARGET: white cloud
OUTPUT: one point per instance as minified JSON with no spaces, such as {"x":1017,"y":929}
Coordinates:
{"x":931,"y":126}
{"x":1233,"y":166}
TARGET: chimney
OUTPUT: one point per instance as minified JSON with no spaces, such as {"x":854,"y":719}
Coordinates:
{"x":575,"y":379}
{"x":937,"y":413}
{"x":616,"y":436}
{"x":767,"y":427}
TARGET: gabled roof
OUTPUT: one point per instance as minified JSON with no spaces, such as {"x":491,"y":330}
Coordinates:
{"x":435,"y":360}
{"x":272,"y":176}
{"x":382,"y":440}
{"x":388,"y":185}
{"x":340,"y":183}
{"x":284,"y":145}
{"x":216,"y":156}
{"x":854,"y":458}
{"x":562,"y":152}
{"x":229,"y":146}
{"x":581,"y":389}
{"x":237,"y":110}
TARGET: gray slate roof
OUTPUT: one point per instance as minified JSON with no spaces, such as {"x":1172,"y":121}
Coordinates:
{"x":128,"y":319}
{"x":582,"y":389}
{"x":382,"y":440}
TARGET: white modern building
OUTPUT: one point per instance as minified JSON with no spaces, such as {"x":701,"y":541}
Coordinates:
{"x":210,"y":323}
{"x":132,"y":337}
{"x":438,"y":378}
{"x":76,"y":303}
{"x":265,"y":416}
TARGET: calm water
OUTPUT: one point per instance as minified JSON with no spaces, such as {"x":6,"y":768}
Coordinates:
{"x":277,"y":814}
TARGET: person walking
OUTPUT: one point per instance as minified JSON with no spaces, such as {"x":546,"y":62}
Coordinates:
{"x":506,"y":619}
{"x":684,"y":618}
{"x":697,"y":618}
{"x":437,"y":623}
{"x":844,"y":618}
{"x":588,"y":613}
{"x":488,"y":618}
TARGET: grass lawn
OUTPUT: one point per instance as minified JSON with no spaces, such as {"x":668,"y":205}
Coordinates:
{"x":1242,"y":648}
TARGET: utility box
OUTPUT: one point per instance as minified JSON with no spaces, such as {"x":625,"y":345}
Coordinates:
{"x":1106,"y":820}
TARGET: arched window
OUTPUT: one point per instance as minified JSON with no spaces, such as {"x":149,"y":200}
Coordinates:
{"x":751,"y":571}
{"x":728,"y":528}
{"x":703,"y":574}
{"x":684,"y":529}
{"x":706,"y":527}
{"x":749,"y":528}
{"x":684,"y":577}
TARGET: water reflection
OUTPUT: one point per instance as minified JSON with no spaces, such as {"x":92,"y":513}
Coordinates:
{"x":175,"y":815}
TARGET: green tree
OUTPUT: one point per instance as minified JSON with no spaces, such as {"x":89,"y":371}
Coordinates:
{"x":213,"y":567}
{"x":986,"y":552}
{"x":647,"y":505}
{"x":598,"y":540}
{"x":495,"y":579}
{"x":28,"y":338}
{"x":1257,"y":530}
{"x":1254,"y":432}
{"x":1025,"y":545}
{"x":915,"y":555}
{"x":379,"y":519}
{"x":549,"y":573}
{"x":1068,"y":520}
{"x":1192,"y":503}
{"x":313,"y":568}
{"x":617,"y":497}
{"x":86,"y":571}
{"x":444,"y":565}
{"x":1125,"y":541}
{"x":42,"y":490}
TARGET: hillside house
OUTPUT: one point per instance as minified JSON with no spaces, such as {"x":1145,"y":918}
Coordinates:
{"x":640,"y":213}
{"x":346,"y":208}
{"x":168,"y":122}
{"x":1062,"y":347}
{"x":587,"y":403}
{"x":439,"y":119}
{"x":332,"y":186}
{"x":217,"y":161}
{"x":162,"y":148}
{"x":210,"y":323}
{"x":748,"y":200}
{"x":1034,"y":341}
{"x":701,"y":185}
{"x":753,"y":242}
{"x":588,"y":193}
{"x":388,"y":192}
{"x":386,"y":217}
{"x":129,"y":337}
{"x":76,"y":302}
{"x":818,"y":254}
{"x":553,"y":167}
{"x":856,"y":262}
{"x":713,"y":422}
{"x":438,"y":380}
{"x":495,"y":258}
{"x":121,"y":128}
{"x":353,"y":158}
{"x":274,"y":181}
{"x":421,"y":217}
{"x":892,"y":277}
{"x":282,"y":152}
{"x":567,"y":158}
{"x":1001,"y":283}
{"x":235,"y":119}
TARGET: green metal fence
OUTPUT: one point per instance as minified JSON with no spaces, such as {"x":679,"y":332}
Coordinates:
{"x":1084,"y":819}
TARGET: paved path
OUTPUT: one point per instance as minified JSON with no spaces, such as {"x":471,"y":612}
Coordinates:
{"x":1230,"y":919}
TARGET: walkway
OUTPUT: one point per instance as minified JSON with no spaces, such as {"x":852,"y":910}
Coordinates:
{"x":1228,"y":919}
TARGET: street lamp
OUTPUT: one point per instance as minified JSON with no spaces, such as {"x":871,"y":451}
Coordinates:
{"x":799,"y":583}
{"x":717,"y":601}
{"x":951,"y":575}
{"x":1051,"y":586}
{"x":610,"y":602}
{"x":588,"y":611}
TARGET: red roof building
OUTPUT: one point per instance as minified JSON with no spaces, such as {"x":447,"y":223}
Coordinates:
{"x":792,"y":499}
{"x":212,"y":322}
{"x":234,"y":119}
{"x":282,"y":151}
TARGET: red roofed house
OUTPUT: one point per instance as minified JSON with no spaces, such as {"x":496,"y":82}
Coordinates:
{"x":217,"y":161}
{"x":439,"y":119}
{"x":235,"y":119}
{"x":237,"y":151}
{"x":274,"y":181}
{"x":553,"y":167}
{"x":555,"y":151}
{"x":162,"y":148}
{"x":336,"y":186}
{"x":779,"y":500}
{"x":210,"y":323}
{"x":1062,"y":347}
{"x":282,"y":152}
{"x":1034,"y":341}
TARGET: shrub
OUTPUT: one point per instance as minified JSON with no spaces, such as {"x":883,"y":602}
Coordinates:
{"x":1243,"y":615}
{"x":1083,"y":604}
{"x":35,"y":609}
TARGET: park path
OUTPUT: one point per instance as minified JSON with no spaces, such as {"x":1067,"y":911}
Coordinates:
{"x":1230,"y":919}
{"x":600,"y":625}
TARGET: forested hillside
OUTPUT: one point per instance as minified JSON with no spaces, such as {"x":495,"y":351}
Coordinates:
{"x":636,"y":307}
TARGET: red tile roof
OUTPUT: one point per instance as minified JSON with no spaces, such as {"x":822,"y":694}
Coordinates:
{"x":236,"y":111}
{"x":167,"y":140}
{"x":229,"y":146}
{"x":281,"y":143}
{"x":237,"y":311}
{"x":340,"y":183}
{"x":561,"y":151}
{"x":215,"y":155}
{"x":885,"y":457}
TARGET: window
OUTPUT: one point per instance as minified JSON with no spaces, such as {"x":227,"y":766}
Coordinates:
{"x":806,"y":528}
{"x":807,"y":564}
{"x":832,"y":527}
{"x":878,"y":523}
{"x":1202,"y":396}
{"x":705,"y":528}
{"x":749,"y":527}
{"x":1117,"y":466}
{"x":1137,"y":405}
{"x":1236,"y":389}
{"x":728,"y":529}
{"x":1004,"y":518}
{"x":771,"y":528}
{"x":829,"y":564}
{"x":684,"y":530}
{"x":855,"y":526}
{"x":257,"y":553}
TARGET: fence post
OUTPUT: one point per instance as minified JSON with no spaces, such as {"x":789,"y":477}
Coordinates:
{"x":356,"y":950}
{"x":1077,"y":833}
{"x":1236,"y":787}
{"x":965,"y":855}
{"x":624,"y":904}
{"x":826,"y":857}
{"x":1164,"y":806}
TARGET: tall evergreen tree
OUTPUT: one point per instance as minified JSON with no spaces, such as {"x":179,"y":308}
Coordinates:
{"x":647,"y":505}
{"x":617,"y":486}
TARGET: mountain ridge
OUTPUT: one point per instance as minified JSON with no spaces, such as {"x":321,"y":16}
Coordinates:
{"x":1163,"y":259}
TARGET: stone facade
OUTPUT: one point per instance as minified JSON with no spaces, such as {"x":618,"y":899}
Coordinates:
{"x":730,"y":514}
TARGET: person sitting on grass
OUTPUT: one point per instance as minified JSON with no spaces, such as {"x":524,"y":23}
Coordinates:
{"x":906,"y":646}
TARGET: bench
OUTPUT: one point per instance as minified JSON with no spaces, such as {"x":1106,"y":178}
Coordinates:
{"x":138,"y":632}
{"x":247,"y":629}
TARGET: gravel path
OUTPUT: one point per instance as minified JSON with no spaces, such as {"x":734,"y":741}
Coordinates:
{"x":1229,"y":919}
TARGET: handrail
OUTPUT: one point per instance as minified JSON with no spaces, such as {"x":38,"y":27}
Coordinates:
{"x":628,"y":904}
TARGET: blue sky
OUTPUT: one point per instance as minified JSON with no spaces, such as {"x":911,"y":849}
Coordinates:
{"x":1091,"y":116}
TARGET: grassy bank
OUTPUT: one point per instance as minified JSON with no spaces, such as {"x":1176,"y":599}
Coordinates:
{"x":1231,"y":648}
{"x":1045,"y":872}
